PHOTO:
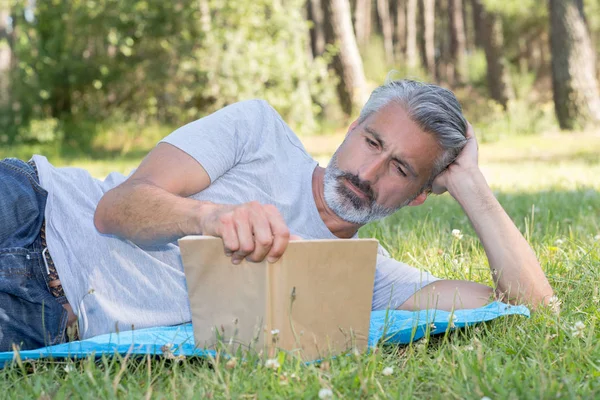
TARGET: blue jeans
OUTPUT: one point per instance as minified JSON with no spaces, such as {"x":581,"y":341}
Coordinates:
{"x":30,"y":317}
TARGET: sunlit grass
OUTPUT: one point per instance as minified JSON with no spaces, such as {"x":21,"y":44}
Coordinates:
{"x":549,"y":185}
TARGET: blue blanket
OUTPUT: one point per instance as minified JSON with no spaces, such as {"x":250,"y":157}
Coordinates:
{"x":388,"y":326}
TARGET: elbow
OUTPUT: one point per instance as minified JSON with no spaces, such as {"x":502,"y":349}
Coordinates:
{"x":545,"y":298}
{"x":534,"y":299}
{"x":100,"y":222}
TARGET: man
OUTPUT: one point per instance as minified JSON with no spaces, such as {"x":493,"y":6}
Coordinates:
{"x":111,"y":259}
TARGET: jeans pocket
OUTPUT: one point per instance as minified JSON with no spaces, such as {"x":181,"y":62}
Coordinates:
{"x":23,"y":168}
{"x":30,"y":316}
{"x":17,"y":273}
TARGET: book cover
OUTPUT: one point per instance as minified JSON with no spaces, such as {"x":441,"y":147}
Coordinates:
{"x":314,"y":302}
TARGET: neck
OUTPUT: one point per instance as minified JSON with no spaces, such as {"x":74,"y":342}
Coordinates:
{"x":335,"y":224}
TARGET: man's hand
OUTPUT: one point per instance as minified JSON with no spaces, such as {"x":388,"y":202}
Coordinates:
{"x":465,"y":163}
{"x":515,"y":269}
{"x":251,"y":230}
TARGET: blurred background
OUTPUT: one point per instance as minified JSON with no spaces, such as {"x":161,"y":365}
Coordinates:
{"x":105,"y":79}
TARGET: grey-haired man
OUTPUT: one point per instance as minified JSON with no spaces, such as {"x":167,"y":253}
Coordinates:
{"x":243,"y":175}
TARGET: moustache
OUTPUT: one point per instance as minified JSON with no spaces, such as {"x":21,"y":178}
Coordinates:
{"x":363,"y":186}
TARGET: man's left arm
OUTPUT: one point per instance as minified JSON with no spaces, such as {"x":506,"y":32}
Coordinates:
{"x":515,"y":269}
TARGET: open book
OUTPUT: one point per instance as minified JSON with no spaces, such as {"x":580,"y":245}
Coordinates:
{"x":315,"y":301}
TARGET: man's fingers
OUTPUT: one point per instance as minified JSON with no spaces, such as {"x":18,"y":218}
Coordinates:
{"x":470,"y":131}
{"x":253,"y":231}
{"x":261,"y":228}
{"x":281,"y":233}
{"x":229,"y":235}
{"x":244,"y":234}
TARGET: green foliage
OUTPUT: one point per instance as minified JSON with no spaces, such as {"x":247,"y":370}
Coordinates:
{"x":258,"y":49}
{"x":477,"y":68}
{"x":516,"y":8}
{"x":151,"y":60}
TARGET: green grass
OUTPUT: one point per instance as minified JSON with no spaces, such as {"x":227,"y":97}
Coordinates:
{"x":549,"y":185}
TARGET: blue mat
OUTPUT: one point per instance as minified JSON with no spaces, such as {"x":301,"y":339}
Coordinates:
{"x":388,"y":326}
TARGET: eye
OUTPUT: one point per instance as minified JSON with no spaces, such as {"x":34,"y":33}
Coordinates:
{"x":400,"y":170}
{"x":371,"y":143}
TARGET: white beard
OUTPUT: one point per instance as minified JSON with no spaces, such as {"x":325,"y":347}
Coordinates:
{"x":346,"y":204}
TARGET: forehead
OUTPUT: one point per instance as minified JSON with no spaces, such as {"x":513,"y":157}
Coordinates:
{"x":402,"y":137}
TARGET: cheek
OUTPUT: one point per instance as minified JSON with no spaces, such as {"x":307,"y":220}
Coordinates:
{"x":350,"y":155}
{"x":391,"y":192}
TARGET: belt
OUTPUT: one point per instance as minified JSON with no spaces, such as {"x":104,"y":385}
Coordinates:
{"x":54,"y":284}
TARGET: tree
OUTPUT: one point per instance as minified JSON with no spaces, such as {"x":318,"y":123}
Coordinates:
{"x":457,"y":39}
{"x":411,"y":35}
{"x":383,"y":10}
{"x":575,"y":88}
{"x":498,"y":77}
{"x":347,"y":62}
{"x":427,"y":8}
{"x":362,"y":21}
{"x":317,"y":31}
{"x":400,"y":28}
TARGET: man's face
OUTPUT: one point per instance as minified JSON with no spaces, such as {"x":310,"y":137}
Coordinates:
{"x":381,"y":166}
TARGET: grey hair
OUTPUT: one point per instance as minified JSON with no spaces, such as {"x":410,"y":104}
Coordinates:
{"x":434,"y":109}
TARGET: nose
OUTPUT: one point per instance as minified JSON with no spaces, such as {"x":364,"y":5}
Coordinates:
{"x":371,"y":169}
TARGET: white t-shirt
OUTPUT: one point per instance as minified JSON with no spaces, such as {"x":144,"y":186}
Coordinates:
{"x":249,"y":153}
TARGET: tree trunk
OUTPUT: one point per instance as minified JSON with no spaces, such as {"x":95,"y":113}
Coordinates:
{"x":457,"y":40}
{"x":400,"y":30}
{"x":362,"y":21}
{"x":5,"y":57}
{"x":575,"y":88}
{"x":317,"y":31}
{"x":443,"y":66}
{"x":427,"y":43}
{"x":383,"y":10}
{"x":411,"y":35}
{"x":498,"y":77}
{"x":347,"y":62}
{"x":477,"y":25}
{"x":469,"y":32}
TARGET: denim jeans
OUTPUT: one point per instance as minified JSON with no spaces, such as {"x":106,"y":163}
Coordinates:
{"x":30,"y":317}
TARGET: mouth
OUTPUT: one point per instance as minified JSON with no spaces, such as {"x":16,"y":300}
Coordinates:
{"x":356,"y":190}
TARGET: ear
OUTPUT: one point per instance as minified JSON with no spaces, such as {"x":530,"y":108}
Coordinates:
{"x":420,"y":199}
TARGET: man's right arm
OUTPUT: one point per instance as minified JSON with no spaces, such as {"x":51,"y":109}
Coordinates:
{"x":152,"y":207}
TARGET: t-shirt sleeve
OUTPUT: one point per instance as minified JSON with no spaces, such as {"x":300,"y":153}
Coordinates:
{"x":223,"y":139}
{"x":396,"y":282}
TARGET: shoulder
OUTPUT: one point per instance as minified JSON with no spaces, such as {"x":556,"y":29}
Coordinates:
{"x":252,"y":109}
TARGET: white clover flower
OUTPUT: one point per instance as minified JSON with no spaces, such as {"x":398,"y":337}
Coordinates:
{"x":325,"y":393}
{"x":554,"y":304}
{"x":457,"y":234}
{"x":387,"y":371}
{"x":275,"y":332}
{"x":68,"y":368}
{"x":597,"y":237}
{"x":577,"y":330}
{"x":558,"y":242}
{"x":469,"y":347}
{"x":451,"y":321}
{"x":272,"y":363}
